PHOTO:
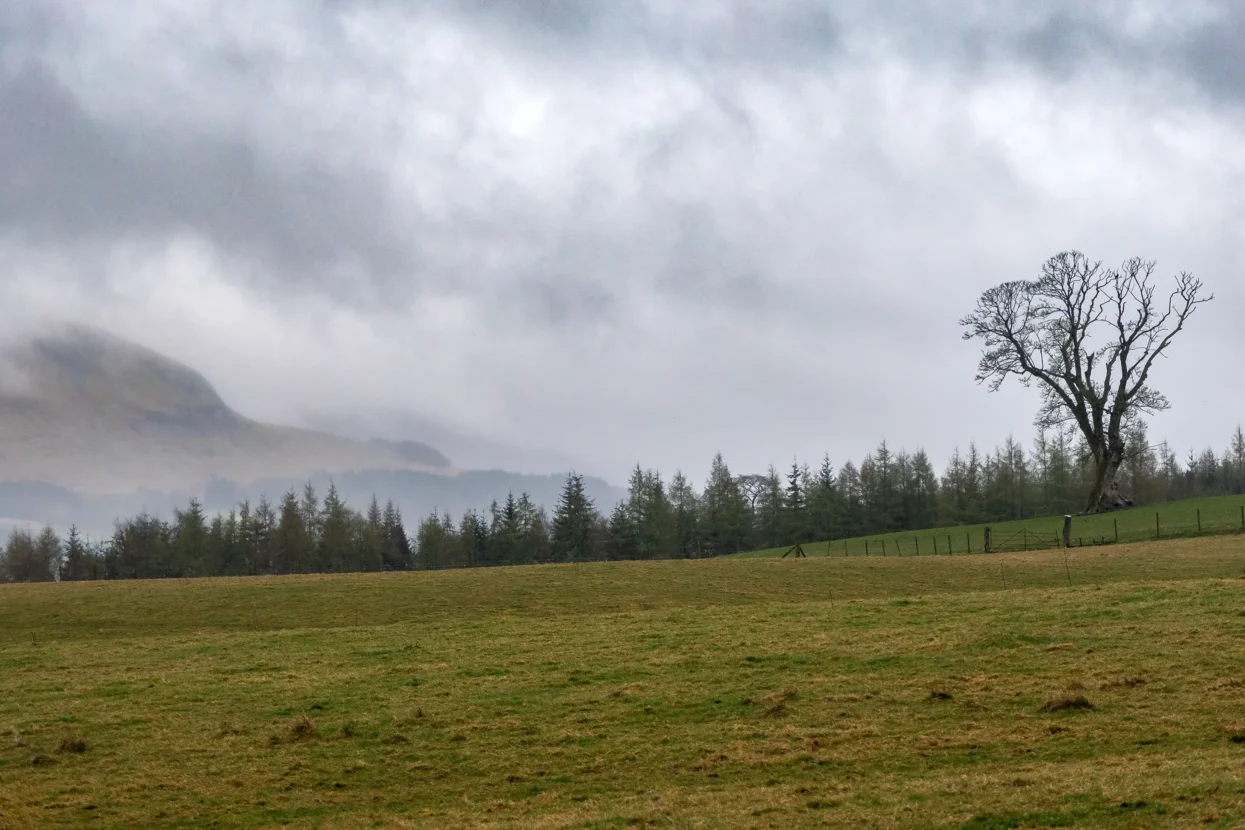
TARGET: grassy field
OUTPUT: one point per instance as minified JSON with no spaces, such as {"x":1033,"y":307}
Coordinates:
{"x":975,"y":692}
{"x":1174,"y":520}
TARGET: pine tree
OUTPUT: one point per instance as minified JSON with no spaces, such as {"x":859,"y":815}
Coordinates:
{"x":190,"y":542}
{"x":335,"y":548}
{"x":372,"y":539}
{"x":309,"y":509}
{"x":684,"y":507}
{"x":535,"y":544}
{"x":261,"y":547}
{"x":574,"y":523}
{"x":434,"y":541}
{"x":624,"y":537}
{"x":824,"y":521}
{"x":292,"y":545}
{"x":77,"y":562}
{"x":398,"y":553}
{"x":795,"y":506}
{"x":727,"y":525}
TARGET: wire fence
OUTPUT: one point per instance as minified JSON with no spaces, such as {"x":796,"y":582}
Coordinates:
{"x":1134,"y":525}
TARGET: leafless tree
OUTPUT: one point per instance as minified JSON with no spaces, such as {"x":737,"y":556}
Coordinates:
{"x":752,"y":486}
{"x":1089,"y":337}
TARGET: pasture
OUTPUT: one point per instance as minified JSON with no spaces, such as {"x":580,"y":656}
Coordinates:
{"x":1169,"y":520}
{"x":1106,"y":689}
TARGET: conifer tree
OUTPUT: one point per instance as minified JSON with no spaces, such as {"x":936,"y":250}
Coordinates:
{"x":727,"y":524}
{"x":336,"y":534}
{"x":291,"y":543}
{"x":574,"y":523}
{"x":77,"y":561}
{"x":685,"y":508}
{"x":795,"y":506}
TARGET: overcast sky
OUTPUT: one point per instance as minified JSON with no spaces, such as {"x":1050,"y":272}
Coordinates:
{"x":618,"y":231}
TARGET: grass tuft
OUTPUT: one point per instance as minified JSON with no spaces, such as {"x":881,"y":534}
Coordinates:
{"x":1068,"y":703}
{"x":73,"y":744}
{"x":1123,"y":683}
{"x":303,"y":729}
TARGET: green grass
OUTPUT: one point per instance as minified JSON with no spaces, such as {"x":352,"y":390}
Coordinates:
{"x":723,"y":693}
{"x":1177,"y":519}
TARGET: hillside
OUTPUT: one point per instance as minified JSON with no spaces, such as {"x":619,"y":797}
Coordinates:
{"x":93,"y":427}
{"x":1188,"y":517}
{"x":98,"y":415}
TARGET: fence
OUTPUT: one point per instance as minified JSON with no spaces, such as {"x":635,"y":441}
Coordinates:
{"x":1177,"y":520}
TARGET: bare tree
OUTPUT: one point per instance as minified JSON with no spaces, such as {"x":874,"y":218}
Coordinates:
{"x":752,"y":486}
{"x":1089,"y":337}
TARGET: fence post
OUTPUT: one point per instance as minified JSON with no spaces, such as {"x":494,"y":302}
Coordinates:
{"x":949,"y":551}
{"x":1067,"y":531}
{"x":968,"y":543}
{"x":866,"y":547}
{"x":987,"y":543}
{"x":1116,"y":522}
{"x":883,"y":547}
{"x":935,"y":540}
{"x":1157,"y":532}
{"x":917,"y":541}
{"x":1199,"y":520}
{"x":1243,"y":515}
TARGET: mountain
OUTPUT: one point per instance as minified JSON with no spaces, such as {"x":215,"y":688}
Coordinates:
{"x":99,"y":415}
{"x":93,"y":427}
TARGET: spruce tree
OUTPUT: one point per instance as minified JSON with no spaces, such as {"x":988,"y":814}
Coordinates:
{"x":291,"y":543}
{"x":574,"y":523}
{"x":685,"y":508}
{"x":727,"y":524}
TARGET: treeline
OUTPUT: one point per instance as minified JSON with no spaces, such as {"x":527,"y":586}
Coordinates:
{"x":889,"y":491}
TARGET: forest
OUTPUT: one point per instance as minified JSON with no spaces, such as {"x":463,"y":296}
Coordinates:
{"x":887,"y":491}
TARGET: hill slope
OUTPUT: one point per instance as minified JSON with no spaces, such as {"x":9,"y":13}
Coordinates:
{"x":98,"y":415}
{"x":93,"y":427}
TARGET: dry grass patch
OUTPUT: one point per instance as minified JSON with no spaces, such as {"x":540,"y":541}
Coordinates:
{"x":73,"y":744}
{"x":1123,"y":683}
{"x":1067,"y":703}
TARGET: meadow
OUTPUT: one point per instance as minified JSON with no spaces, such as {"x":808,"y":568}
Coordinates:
{"x":1100,"y":686}
{"x":1169,"y":520}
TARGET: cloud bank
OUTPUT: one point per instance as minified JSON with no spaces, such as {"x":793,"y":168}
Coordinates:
{"x":622,"y":231}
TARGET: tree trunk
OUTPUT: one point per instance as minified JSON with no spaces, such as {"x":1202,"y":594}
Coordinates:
{"x":1105,"y":494}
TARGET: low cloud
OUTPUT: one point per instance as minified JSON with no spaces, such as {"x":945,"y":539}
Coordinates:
{"x":626,"y":232}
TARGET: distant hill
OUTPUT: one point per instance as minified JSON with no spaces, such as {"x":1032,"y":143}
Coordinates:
{"x":93,"y":427}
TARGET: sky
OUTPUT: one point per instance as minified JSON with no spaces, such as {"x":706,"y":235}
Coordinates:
{"x":610,"y":233}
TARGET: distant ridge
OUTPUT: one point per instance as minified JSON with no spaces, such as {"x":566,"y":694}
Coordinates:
{"x":91,"y":412}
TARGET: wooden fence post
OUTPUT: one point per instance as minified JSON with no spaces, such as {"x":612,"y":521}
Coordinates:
{"x":1067,"y":531}
{"x":968,"y":543}
{"x":866,"y":547}
{"x":1157,"y":531}
{"x":1199,"y":520}
{"x":987,"y":542}
{"x":1117,"y":529}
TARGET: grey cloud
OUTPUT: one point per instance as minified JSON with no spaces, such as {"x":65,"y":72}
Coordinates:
{"x":751,"y":201}
{"x":1067,"y":40}
{"x":73,"y":178}
{"x":726,"y":35}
